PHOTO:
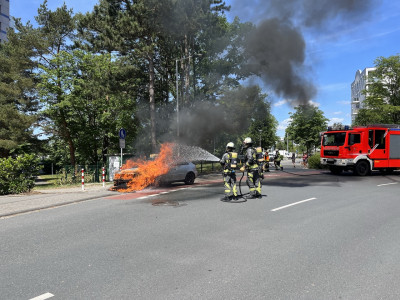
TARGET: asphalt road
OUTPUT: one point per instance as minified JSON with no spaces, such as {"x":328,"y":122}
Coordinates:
{"x":311,"y":237}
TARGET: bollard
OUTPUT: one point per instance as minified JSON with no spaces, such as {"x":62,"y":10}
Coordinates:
{"x":83,"y":180}
{"x":104,"y":177}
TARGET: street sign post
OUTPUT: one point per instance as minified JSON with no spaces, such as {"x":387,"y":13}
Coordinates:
{"x":122,"y":136}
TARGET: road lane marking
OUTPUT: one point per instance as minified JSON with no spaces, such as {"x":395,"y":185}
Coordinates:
{"x":43,"y":297}
{"x":387,"y":184}
{"x":282,"y":207}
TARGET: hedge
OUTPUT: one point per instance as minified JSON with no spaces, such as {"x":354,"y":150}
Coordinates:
{"x":17,"y":175}
{"x":314,"y":162}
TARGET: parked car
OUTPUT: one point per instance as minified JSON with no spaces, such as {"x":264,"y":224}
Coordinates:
{"x":181,"y":172}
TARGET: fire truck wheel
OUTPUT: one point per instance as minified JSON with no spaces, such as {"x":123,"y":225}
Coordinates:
{"x":190,"y":177}
{"x":362,"y":168}
{"x":335,"y":170}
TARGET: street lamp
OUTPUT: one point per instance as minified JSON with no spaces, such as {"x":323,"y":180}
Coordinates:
{"x":287,"y":142}
{"x":177,"y":99}
{"x":260,"y":135}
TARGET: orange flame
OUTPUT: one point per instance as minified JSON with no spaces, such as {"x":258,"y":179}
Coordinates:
{"x":146,"y":172}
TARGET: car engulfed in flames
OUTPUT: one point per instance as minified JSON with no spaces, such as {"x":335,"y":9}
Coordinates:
{"x":160,"y":169}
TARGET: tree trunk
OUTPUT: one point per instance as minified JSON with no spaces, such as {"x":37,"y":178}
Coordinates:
{"x":152,"y":103}
{"x":65,"y":129}
{"x":70,"y":142}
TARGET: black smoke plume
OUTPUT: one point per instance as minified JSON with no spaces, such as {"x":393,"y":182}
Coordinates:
{"x":276,"y":53}
{"x":276,"y":47}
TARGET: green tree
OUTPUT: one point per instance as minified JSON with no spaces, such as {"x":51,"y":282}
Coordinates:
{"x":247,"y":112}
{"x":78,"y":88}
{"x":18,"y":104}
{"x":153,"y":36}
{"x":55,"y":30}
{"x":307,"y":122}
{"x":382,"y":103}
{"x":132,"y":29}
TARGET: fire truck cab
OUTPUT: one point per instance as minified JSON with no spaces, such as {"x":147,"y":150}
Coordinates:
{"x":361,"y":149}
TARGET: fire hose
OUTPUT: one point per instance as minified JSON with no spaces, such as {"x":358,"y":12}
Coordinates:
{"x":241,"y":195}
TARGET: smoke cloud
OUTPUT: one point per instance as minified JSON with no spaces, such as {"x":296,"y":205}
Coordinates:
{"x":277,"y":54}
{"x":277,"y":48}
{"x":320,"y":13}
{"x":231,"y":114}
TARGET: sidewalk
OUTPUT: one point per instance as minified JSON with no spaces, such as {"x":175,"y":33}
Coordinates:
{"x":46,"y":198}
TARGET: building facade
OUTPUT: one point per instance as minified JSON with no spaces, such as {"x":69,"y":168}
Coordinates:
{"x":357,"y":87}
{"x":4,"y":19}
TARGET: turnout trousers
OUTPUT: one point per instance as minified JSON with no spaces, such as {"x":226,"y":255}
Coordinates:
{"x":230,"y":184}
{"x":254,"y":182}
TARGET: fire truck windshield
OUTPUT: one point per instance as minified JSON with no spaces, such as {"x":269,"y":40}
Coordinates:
{"x":334,"y":139}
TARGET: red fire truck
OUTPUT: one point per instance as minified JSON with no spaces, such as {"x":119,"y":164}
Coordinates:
{"x":361,"y":149}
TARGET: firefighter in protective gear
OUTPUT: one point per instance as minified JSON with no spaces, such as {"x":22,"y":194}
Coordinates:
{"x":252,"y":167}
{"x":277,"y":160}
{"x":229,"y":164}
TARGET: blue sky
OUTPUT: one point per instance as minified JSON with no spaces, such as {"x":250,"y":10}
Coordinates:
{"x":333,"y":53}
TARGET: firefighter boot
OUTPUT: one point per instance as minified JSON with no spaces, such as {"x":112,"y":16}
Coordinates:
{"x":252,"y":196}
{"x":226,"y":198}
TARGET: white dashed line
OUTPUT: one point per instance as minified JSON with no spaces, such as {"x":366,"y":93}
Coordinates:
{"x":282,"y":207}
{"x":43,"y":297}
{"x":387,"y":184}
{"x":162,"y":193}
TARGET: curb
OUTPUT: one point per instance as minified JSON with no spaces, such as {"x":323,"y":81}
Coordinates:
{"x":24,"y":211}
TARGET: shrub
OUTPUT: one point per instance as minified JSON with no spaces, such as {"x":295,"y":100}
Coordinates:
{"x":314,"y":162}
{"x":17,"y":175}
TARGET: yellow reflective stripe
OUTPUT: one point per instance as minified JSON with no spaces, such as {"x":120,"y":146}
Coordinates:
{"x":259,"y":187}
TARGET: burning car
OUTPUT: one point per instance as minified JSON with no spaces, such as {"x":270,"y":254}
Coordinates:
{"x":181,"y":172}
{"x":166,"y":167}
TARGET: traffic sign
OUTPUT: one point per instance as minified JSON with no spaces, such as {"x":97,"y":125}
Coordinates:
{"x":122,"y":133}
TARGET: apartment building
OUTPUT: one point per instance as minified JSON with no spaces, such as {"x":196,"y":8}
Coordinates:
{"x":357,"y":87}
{"x":4,"y":19}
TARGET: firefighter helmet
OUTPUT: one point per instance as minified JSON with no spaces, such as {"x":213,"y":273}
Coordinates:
{"x":230,"y":145}
{"x":247,"y":141}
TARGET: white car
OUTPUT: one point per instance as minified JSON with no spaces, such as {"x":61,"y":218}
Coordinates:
{"x":184,"y":171}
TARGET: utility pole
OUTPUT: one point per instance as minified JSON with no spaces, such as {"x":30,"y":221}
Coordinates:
{"x":177,"y":99}
{"x":287,"y":143}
